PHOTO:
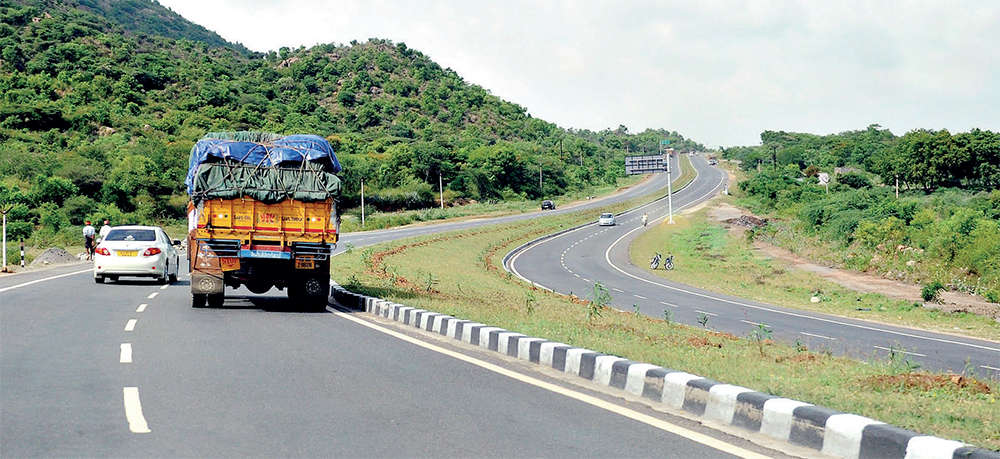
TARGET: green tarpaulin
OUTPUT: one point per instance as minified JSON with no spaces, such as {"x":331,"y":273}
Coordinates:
{"x":227,"y":179}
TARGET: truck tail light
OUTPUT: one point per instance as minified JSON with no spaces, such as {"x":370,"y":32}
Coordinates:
{"x":151,"y":251}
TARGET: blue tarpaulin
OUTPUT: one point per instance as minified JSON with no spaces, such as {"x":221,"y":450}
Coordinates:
{"x":261,"y":150}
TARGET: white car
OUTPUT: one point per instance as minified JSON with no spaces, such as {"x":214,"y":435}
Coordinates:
{"x":142,"y":251}
{"x":606,"y":219}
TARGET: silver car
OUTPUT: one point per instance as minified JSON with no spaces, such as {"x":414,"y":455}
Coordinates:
{"x":141,"y":251}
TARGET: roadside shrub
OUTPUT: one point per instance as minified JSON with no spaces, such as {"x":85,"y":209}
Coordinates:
{"x":855,"y":180}
{"x":931,"y":291}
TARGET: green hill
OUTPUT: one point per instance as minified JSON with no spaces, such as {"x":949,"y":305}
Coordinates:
{"x":96,"y":121}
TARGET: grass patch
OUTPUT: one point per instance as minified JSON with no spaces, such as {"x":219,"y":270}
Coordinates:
{"x":707,"y":256}
{"x":468,"y":282}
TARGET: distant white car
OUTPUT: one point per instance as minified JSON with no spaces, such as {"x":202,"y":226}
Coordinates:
{"x":606,"y":219}
{"x":141,"y":251}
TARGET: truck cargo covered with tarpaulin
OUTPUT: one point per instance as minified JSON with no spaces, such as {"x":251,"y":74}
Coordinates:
{"x":267,"y":167}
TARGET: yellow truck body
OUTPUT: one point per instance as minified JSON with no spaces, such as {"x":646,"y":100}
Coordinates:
{"x":252,"y":221}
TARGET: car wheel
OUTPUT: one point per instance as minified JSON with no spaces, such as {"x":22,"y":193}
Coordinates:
{"x":198,"y":300}
{"x":99,"y":279}
{"x":113,"y":278}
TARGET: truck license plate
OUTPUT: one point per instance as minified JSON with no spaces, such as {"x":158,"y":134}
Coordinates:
{"x":305,"y":263}
{"x":229,"y":263}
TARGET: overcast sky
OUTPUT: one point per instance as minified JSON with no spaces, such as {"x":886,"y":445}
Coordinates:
{"x":719,"y":72}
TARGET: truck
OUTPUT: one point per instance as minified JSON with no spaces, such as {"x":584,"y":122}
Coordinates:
{"x":262,"y":214}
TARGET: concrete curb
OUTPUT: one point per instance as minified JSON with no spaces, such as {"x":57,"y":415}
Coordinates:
{"x":827,"y":431}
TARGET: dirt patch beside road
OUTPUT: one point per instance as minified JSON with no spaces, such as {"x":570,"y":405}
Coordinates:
{"x":862,"y":282}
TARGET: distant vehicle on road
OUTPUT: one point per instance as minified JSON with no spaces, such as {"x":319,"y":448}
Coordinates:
{"x":606,"y":219}
{"x":548,"y":205}
{"x":140,"y":251}
{"x":712,"y":162}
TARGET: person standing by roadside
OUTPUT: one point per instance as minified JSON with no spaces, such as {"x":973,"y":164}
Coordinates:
{"x":104,"y":230}
{"x":88,"y":240}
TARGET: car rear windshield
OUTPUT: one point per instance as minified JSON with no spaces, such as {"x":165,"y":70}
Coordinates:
{"x":131,"y":235}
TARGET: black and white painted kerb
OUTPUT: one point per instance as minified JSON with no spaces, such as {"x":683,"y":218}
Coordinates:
{"x":827,"y":431}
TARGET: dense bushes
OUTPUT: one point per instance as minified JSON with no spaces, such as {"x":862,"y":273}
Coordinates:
{"x":949,"y":235}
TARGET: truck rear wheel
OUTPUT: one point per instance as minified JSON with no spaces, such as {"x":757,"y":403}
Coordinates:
{"x":216,"y":300}
{"x":198,"y":300}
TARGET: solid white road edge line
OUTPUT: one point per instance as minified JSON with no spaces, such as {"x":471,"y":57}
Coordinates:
{"x":153,"y":295}
{"x":607,"y":258}
{"x":12,"y":287}
{"x":142,"y":307}
{"x":989,"y":367}
{"x":133,"y":411}
{"x":590,"y":400}
{"x":126,"y":353}
{"x":130,"y":325}
{"x":818,"y":336}
{"x":899,"y":351}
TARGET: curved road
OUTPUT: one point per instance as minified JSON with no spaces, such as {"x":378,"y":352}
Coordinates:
{"x":575,"y":260}
{"x":130,"y":369}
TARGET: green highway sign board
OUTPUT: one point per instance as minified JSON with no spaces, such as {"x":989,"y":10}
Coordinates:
{"x":664,"y":142}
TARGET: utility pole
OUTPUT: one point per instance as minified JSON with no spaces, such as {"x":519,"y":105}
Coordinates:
{"x":362,"y":203}
{"x":897,"y":186}
{"x":539,"y":179}
{"x":5,"y":239}
{"x":441,"y":189}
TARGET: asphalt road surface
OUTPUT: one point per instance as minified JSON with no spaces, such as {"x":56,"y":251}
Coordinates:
{"x":575,"y":260}
{"x":130,"y":369}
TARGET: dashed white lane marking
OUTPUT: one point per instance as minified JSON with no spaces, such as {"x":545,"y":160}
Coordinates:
{"x":126,"y":353}
{"x":142,"y":307}
{"x":164,"y":287}
{"x":133,"y":411}
{"x":579,"y":396}
{"x":752,"y":323}
{"x":989,"y":367}
{"x":639,"y":296}
{"x":584,"y":278}
{"x":575,"y":274}
{"x":819,"y":336}
{"x":12,"y":287}
{"x":668,"y":304}
{"x":153,"y":295}
{"x":617,"y":290}
{"x":899,"y":351}
{"x":130,"y":325}
{"x":706,"y":313}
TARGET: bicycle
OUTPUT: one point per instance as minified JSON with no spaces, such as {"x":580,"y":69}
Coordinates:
{"x":655,"y":262}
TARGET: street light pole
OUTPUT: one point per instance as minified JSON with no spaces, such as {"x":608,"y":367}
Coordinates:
{"x":441,"y":189}
{"x":362,"y":203}
{"x":670,"y":194}
{"x":4,"y":240}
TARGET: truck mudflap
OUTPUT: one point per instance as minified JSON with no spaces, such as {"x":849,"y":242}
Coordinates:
{"x":207,"y":284}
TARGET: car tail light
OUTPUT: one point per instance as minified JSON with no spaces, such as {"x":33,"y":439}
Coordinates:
{"x":103,"y":251}
{"x":151,"y":251}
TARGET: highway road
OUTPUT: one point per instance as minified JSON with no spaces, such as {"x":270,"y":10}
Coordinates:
{"x":130,"y":369}
{"x":575,"y":260}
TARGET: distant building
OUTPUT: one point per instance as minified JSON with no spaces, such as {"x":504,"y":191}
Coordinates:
{"x":845,"y":170}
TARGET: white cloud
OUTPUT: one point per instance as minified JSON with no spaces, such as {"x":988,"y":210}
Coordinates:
{"x":717,"y":71}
